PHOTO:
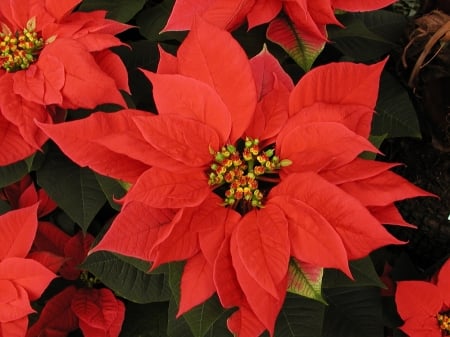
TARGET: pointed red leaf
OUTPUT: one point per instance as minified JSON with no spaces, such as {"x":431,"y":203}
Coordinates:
{"x":160,"y":188}
{"x":358,"y":86}
{"x":212,"y":56}
{"x":263,"y":246}
{"x":265,"y":306}
{"x":426,"y":302}
{"x":56,"y":318}
{"x":136,"y":240}
{"x":79,"y":140}
{"x":180,"y":138}
{"x":14,"y":328}
{"x":359,"y":230}
{"x":113,"y":66}
{"x":244,"y":323}
{"x":75,"y":251}
{"x":98,"y":311}
{"x":13,"y":146}
{"x":183,"y":12}
{"x":198,"y":275}
{"x":49,"y":260}
{"x":168,"y":64}
{"x":188,"y":97}
{"x":389,"y":215}
{"x":312,"y":239}
{"x":225,"y":279}
{"x":263,"y":12}
{"x":14,"y":301}
{"x":17,"y":232}
{"x":60,"y":8}
{"x":26,"y":273}
{"x":316,"y":146}
{"x":50,"y":238}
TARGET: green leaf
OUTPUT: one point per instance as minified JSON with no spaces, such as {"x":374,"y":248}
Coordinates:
{"x":353,"y":312}
{"x":119,"y":10}
{"x":395,"y":113}
{"x":376,"y":141}
{"x":112,"y":188}
{"x":305,"y":280}
{"x":11,"y":173}
{"x":145,"y":320}
{"x":126,"y":280}
{"x":73,"y":188}
{"x":363,"y":271}
{"x":367,"y":36}
{"x":300,"y":317}
{"x":200,"y":319}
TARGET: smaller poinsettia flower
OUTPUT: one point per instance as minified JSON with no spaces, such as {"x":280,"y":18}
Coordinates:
{"x":97,"y":312}
{"x":425,"y":306}
{"x":22,"y":280}
{"x":53,"y":58}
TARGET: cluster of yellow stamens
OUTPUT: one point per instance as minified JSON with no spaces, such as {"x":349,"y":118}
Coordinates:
{"x":243,"y":172}
{"x":20,"y":49}
{"x":444,"y":323}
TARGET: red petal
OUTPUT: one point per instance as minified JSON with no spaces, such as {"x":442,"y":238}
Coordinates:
{"x":187,"y":97}
{"x":443,"y":282}
{"x":79,"y":141}
{"x":244,"y":323}
{"x":50,"y":238}
{"x":60,"y":8}
{"x":352,"y":6}
{"x":75,"y":250}
{"x":225,"y":279}
{"x":57,"y":318}
{"x":212,"y":56}
{"x":318,"y":146}
{"x":48,"y":260}
{"x":262,"y":12}
{"x":265,"y":306}
{"x":86,"y":85}
{"x":196,"y":283}
{"x":383,"y":189}
{"x":14,"y":300}
{"x":183,"y":13}
{"x":14,"y":328}
{"x":160,"y":188}
{"x":263,"y":246}
{"x":312,"y":239}
{"x":98,"y":309}
{"x":226,"y":14}
{"x":360,"y":232}
{"x":426,"y":302}
{"x":12,"y":144}
{"x":26,"y":273}
{"x":168,"y":64}
{"x":17,"y":232}
{"x":138,"y":239}
{"x":358,"y":86}
{"x":389,"y":215}
{"x":112,"y":65}
{"x":266,"y":70}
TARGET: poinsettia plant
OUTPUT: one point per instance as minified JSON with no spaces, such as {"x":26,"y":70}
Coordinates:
{"x":169,"y":170}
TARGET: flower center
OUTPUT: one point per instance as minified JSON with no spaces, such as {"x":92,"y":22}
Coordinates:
{"x":20,"y":49}
{"x":243,"y":177}
{"x":444,"y":323}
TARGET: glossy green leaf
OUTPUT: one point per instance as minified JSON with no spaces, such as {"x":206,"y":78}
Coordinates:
{"x":11,"y":173}
{"x":4,"y":207}
{"x":353,"y":312}
{"x":395,"y":113}
{"x":119,"y":10}
{"x":125,"y":279}
{"x":198,"y":321}
{"x":112,"y":188}
{"x":145,"y":320}
{"x":300,"y":317}
{"x":73,"y":188}
{"x":363,"y":271}
{"x":305,"y":280}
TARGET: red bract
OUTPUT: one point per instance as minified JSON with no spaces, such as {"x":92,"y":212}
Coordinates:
{"x":425,"y":306}
{"x":21,"y":279}
{"x":96,"y":312}
{"x":50,"y":58}
{"x":241,"y":172}
{"x":310,"y":17}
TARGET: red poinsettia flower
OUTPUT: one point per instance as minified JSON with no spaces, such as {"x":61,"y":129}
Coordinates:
{"x":242,"y":174}
{"x":425,"y":306}
{"x":309,"y":17}
{"x":49,"y":58}
{"x":21,"y":279}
